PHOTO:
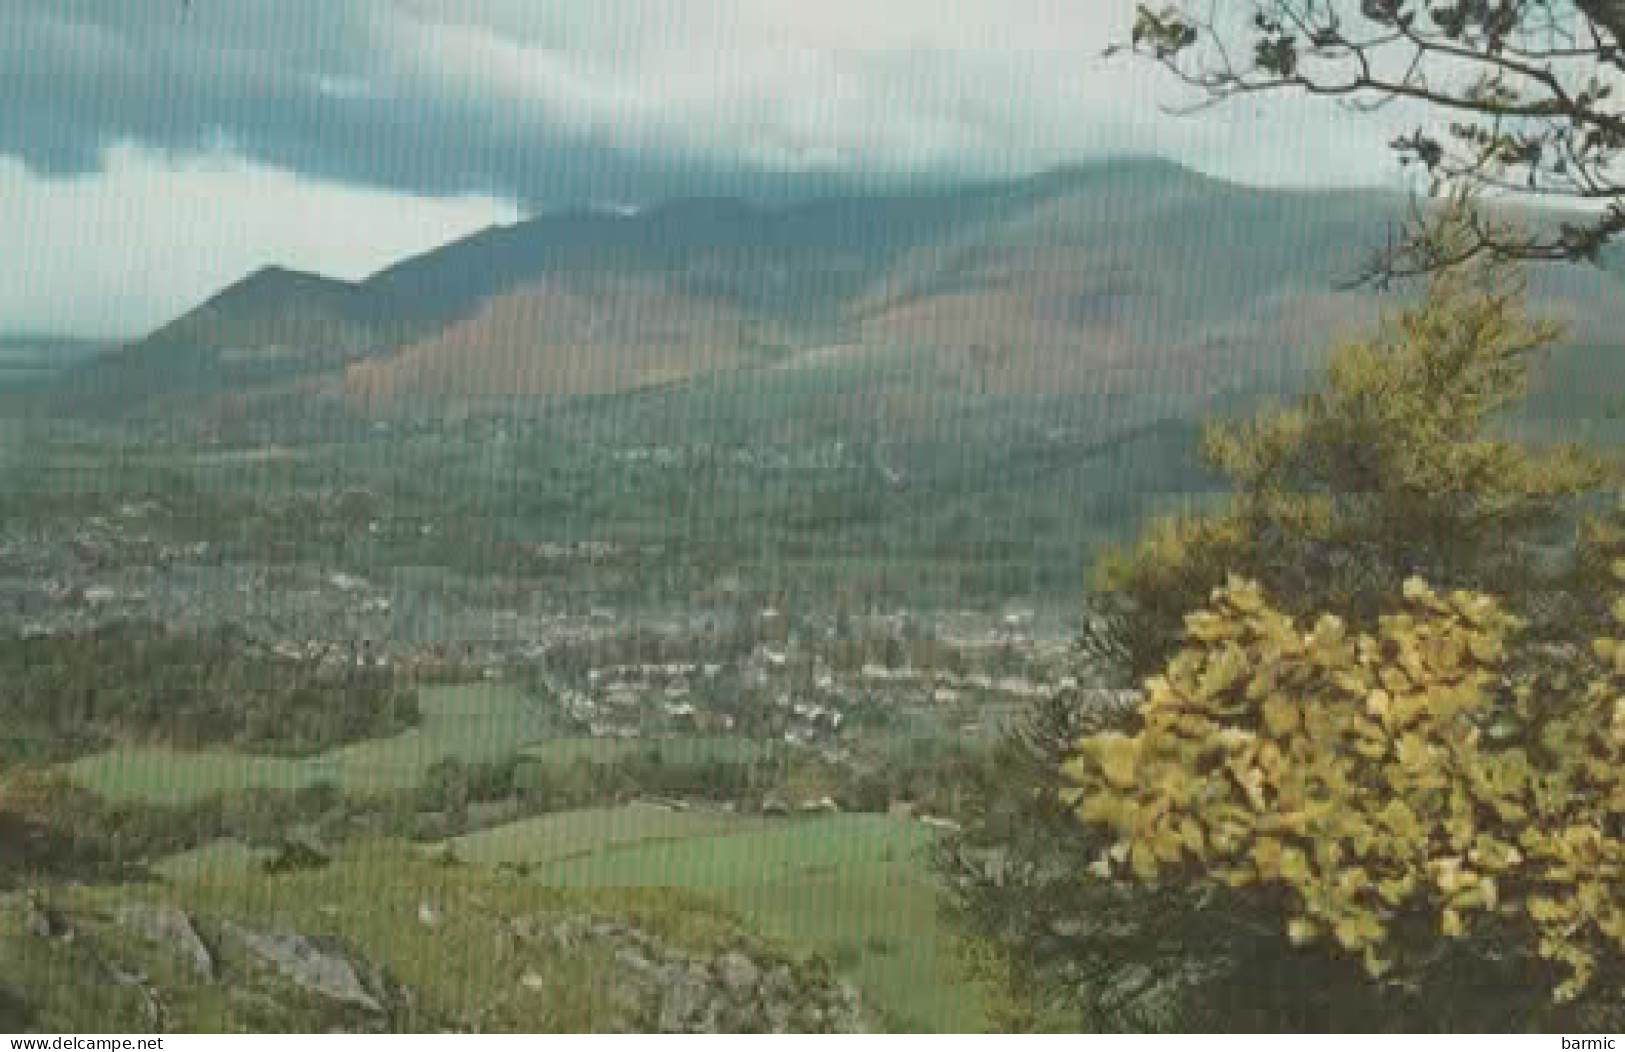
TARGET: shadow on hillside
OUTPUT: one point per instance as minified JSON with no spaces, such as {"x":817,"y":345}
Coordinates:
{"x":32,"y":853}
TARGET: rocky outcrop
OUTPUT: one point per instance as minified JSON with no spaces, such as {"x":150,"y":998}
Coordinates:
{"x":745,"y":989}
{"x":170,"y":927}
{"x":738,"y":973}
{"x":304,"y":962}
{"x":38,"y":921}
{"x":268,"y":976}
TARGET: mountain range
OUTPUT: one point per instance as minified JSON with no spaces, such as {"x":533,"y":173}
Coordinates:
{"x":1131,"y":278}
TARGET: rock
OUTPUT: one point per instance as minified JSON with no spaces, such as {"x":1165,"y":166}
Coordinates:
{"x":124,"y":978}
{"x":628,"y":997}
{"x":681,"y":1002}
{"x":301,"y":961}
{"x":677,"y":989}
{"x":526,"y":928}
{"x":428,"y":915}
{"x":847,"y":1017}
{"x":780,"y":981}
{"x":739,"y":973}
{"x":37,"y":922}
{"x":171,"y":927}
{"x":715,"y":1018}
{"x":630,"y":958}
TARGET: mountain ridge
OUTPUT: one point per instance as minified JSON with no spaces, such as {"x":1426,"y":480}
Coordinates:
{"x":1055,"y":282}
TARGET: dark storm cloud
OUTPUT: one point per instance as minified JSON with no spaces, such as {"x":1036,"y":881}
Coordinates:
{"x":543,"y":101}
{"x":294,"y":83}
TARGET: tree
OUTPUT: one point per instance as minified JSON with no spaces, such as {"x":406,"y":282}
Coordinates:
{"x":1393,"y":799}
{"x":1525,"y":93}
{"x":1018,"y":891}
{"x":1395,"y":467}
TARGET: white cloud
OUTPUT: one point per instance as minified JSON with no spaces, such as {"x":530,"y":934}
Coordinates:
{"x":551,"y":102}
{"x":979,"y":86}
{"x":122,"y":251}
{"x":522,"y":97}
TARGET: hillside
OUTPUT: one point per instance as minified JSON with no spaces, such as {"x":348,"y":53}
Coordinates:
{"x":1131,"y":279}
{"x":391,"y":943}
{"x":559,"y":337}
{"x":272,"y":326}
{"x":1085,"y":281}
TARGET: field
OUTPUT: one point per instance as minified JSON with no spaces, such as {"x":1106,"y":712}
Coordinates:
{"x":591,"y":832}
{"x":469,"y":723}
{"x":851,"y":887}
{"x":215,"y":861}
{"x":473,"y":724}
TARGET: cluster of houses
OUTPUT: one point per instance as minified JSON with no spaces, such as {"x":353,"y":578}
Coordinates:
{"x":831,"y":457}
{"x":787,"y":689}
{"x":790,"y":686}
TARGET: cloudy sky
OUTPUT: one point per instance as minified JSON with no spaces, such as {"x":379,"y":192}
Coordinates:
{"x":154,"y":150}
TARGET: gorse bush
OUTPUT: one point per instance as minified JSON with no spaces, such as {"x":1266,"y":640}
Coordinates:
{"x":1382,"y":795}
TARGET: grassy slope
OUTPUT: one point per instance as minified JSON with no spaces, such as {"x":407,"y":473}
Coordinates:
{"x":849,"y":886}
{"x":853,"y":888}
{"x":590,"y":832}
{"x":462,"y":971}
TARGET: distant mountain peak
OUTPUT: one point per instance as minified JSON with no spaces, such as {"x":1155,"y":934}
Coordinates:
{"x":1120,"y":258}
{"x":276,"y":275}
{"x":1143,"y":170}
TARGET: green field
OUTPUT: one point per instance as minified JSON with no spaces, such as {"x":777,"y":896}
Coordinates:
{"x":592,"y":831}
{"x":215,"y":861}
{"x":470,"y":723}
{"x":852,"y":887}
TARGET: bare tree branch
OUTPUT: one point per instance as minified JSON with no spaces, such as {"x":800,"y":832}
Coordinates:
{"x":1522,"y":96}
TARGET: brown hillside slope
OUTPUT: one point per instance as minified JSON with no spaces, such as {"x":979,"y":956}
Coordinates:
{"x":553,"y":338}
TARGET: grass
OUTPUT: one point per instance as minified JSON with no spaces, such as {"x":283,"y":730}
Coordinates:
{"x":466,"y":972}
{"x":216,"y":860}
{"x":485,"y":722}
{"x":590,"y":831}
{"x":851,"y":887}
{"x":472,"y":723}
